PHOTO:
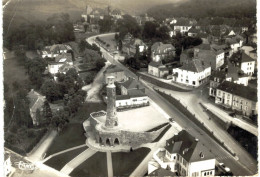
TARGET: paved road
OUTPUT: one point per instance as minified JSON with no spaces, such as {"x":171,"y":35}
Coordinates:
{"x":244,"y":166}
{"x":109,"y":165}
{"x":40,"y":150}
{"x":226,"y":118}
{"x":74,"y":163}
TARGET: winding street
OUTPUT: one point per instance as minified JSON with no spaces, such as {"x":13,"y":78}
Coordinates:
{"x":243,"y":165}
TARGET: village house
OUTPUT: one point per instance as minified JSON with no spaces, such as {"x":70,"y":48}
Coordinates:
{"x":115,"y":71}
{"x":237,"y":97}
{"x":36,"y":102}
{"x":193,"y":32}
{"x":215,"y":80}
{"x":234,"y":43}
{"x":158,"y":69}
{"x":131,"y":85}
{"x":182,"y":26}
{"x":60,"y":60}
{"x":236,"y":75}
{"x":116,"y":13}
{"x":193,"y":73}
{"x":133,"y":45}
{"x":243,"y":62}
{"x":160,"y":51}
{"x":54,"y":50}
{"x":185,"y":156}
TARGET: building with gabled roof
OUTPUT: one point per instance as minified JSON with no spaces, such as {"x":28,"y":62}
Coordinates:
{"x":193,"y":72}
{"x":131,"y":45}
{"x":185,"y":156}
{"x":237,"y":97}
{"x":59,"y":61}
{"x":115,"y":71}
{"x":243,"y":62}
{"x":36,"y":103}
{"x":157,"y":69}
{"x":54,"y":50}
{"x":130,"y":85}
{"x":160,"y":51}
{"x":193,"y":32}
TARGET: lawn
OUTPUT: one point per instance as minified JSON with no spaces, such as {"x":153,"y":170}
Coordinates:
{"x":72,"y":135}
{"x":93,"y":167}
{"x":87,"y":108}
{"x":59,"y":161}
{"x":124,"y":163}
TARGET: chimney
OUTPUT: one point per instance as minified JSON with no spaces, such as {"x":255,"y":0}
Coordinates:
{"x":111,"y":119}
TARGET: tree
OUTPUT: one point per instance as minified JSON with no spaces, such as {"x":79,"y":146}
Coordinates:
{"x":163,"y":33}
{"x":89,"y":79}
{"x":149,"y":30}
{"x":100,"y":63}
{"x":75,"y":103}
{"x":105,"y":24}
{"x":82,"y":46}
{"x":51,"y":90}
{"x":46,"y":113}
{"x":120,"y":45}
{"x":72,"y":73}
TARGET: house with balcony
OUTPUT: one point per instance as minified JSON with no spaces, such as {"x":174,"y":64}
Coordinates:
{"x":184,"y":155}
{"x":237,"y":97}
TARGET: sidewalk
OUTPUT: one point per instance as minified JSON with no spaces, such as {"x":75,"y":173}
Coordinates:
{"x":74,"y":163}
{"x":38,"y":152}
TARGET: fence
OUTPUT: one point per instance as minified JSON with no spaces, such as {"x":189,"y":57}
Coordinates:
{"x":192,"y":117}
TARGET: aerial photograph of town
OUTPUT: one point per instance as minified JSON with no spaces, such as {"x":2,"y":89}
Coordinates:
{"x":104,"y":88}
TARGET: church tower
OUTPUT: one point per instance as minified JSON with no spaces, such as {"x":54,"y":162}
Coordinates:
{"x":111,"y":119}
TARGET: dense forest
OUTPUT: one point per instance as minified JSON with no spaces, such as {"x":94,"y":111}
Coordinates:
{"x":206,"y":8}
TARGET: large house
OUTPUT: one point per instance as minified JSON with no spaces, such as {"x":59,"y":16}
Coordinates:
{"x":215,"y":80}
{"x":237,"y":97}
{"x":115,"y":71}
{"x":185,"y":156}
{"x":36,"y":103}
{"x":243,"y":62}
{"x":160,"y":51}
{"x":234,"y":43}
{"x":193,"y":73}
{"x":60,"y":60}
{"x":54,"y":50}
{"x":214,"y":58}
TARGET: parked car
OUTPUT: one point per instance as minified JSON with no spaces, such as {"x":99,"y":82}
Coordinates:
{"x":232,"y":114}
{"x":223,"y":167}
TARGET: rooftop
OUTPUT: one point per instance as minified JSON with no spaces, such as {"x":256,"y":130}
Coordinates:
{"x":188,"y":147}
{"x":132,"y":84}
{"x":113,"y":69}
{"x":240,"y":57}
{"x":239,"y":90}
{"x":194,"y":65}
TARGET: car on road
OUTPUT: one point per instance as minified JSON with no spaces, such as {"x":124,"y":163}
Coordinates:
{"x":171,"y":119}
{"x":223,"y":167}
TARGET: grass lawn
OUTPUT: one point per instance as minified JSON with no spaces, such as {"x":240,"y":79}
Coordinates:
{"x":59,"y":161}
{"x":72,"y":135}
{"x":124,"y":163}
{"x":93,"y":167}
{"x":84,"y":112}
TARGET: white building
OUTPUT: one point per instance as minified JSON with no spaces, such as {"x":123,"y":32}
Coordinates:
{"x":160,"y":51}
{"x":244,"y":62}
{"x":134,"y":98}
{"x":192,"y":73}
{"x":54,"y":50}
{"x":60,"y":60}
{"x":158,"y":69}
{"x":185,"y":155}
